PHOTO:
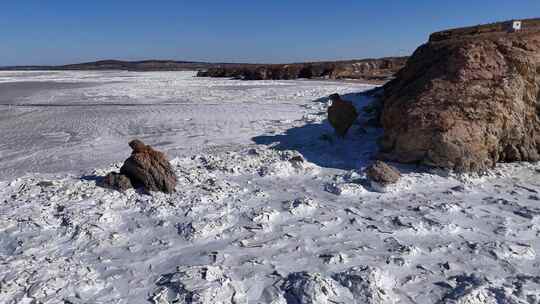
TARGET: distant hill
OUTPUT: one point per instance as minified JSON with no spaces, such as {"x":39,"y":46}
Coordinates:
{"x":145,"y":65}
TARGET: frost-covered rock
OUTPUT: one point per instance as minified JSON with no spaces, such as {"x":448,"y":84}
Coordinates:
{"x":471,"y":289}
{"x":300,"y":206}
{"x":367,"y":284}
{"x":204,"y":227}
{"x":357,"y":285}
{"x":352,"y":189}
{"x":314,"y":288}
{"x":199,"y":285}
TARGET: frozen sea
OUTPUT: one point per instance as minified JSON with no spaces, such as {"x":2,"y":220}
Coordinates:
{"x":269,"y":207}
{"x":68,"y":121}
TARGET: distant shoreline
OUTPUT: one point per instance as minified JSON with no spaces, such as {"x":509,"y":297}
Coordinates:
{"x":161,"y":65}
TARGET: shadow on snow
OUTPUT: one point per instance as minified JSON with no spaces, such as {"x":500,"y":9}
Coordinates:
{"x":318,"y":144}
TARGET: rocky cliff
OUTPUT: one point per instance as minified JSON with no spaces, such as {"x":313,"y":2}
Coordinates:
{"x":467,"y":99}
{"x":381,"y":69}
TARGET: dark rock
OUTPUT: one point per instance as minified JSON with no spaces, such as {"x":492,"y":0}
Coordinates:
{"x":297,"y":161}
{"x":467,"y":99}
{"x":115,"y":181}
{"x":341,"y":115}
{"x":149,"y":169}
{"x":458,"y":188}
{"x":382,"y":173}
{"x":45,"y":184}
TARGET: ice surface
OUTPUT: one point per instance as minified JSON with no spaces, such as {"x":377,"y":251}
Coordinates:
{"x":269,"y":207}
{"x":76,"y":121}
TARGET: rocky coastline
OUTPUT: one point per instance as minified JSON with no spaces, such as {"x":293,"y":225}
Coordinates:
{"x":371,"y":70}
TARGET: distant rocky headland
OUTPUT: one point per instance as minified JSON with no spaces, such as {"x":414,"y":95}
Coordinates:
{"x":375,"y":70}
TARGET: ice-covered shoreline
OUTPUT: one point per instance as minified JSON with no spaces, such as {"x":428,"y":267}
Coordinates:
{"x":272,"y":230}
{"x":251,"y":221}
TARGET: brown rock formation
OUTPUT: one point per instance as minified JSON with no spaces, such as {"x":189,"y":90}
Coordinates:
{"x":341,"y":114}
{"x":149,"y":169}
{"x":382,"y":173}
{"x":377,"y":70}
{"x":467,"y":99}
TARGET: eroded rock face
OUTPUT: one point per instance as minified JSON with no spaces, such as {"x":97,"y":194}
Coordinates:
{"x":466,"y":101}
{"x":378,"y":70}
{"x":382,"y":173}
{"x":341,"y":115}
{"x":149,"y":169}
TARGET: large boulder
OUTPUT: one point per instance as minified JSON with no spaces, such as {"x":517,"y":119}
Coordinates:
{"x":341,"y":115}
{"x":467,"y":99}
{"x":149,"y":169}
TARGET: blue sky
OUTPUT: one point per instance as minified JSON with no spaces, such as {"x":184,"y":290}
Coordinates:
{"x":67,"y":31}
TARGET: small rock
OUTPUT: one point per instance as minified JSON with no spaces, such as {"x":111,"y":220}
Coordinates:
{"x":300,"y":206}
{"x":297,"y":158}
{"x":116,"y":181}
{"x":459,"y":188}
{"x":382,"y":173}
{"x":45,"y":184}
{"x":297,"y":161}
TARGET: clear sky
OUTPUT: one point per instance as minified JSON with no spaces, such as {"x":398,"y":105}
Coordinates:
{"x":68,"y":31}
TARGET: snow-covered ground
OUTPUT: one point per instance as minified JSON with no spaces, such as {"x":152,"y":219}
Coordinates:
{"x":269,"y":208}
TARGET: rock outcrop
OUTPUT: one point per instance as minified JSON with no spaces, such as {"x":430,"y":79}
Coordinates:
{"x":149,"y":169}
{"x":377,"y":70}
{"x":341,"y":115}
{"x":467,"y":99}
